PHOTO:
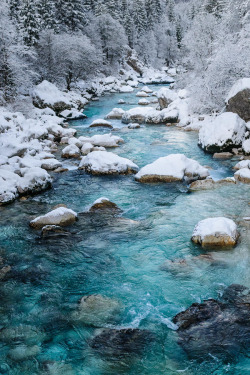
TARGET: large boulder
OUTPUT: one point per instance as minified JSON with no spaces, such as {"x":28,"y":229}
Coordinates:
{"x":238,"y":99}
{"x":216,"y":232}
{"x":243,"y":175}
{"x":216,"y":328}
{"x":104,"y":204}
{"x":34,"y":180}
{"x":224,"y":133}
{"x":166,"y":96}
{"x":46,"y":94}
{"x":174,"y":167}
{"x":101,"y":123}
{"x":106,"y":140}
{"x":107,"y":163}
{"x":61,"y":216}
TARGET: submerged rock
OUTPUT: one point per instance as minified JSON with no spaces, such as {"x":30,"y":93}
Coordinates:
{"x":60,"y":216}
{"x":104,"y":204}
{"x":174,"y":167}
{"x":223,"y":155}
{"x":51,"y":230}
{"x":107,"y":163}
{"x":202,"y":184}
{"x":121,"y":342}
{"x":216,"y":328}
{"x":216,"y":232}
{"x":23,"y":352}
{"x":238,"y":99}
{"x":97,"y":310}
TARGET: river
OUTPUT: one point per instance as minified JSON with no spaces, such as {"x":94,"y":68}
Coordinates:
{"x":118,"y":259}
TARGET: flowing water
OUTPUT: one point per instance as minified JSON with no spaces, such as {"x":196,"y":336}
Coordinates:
{"x":120,"y":259}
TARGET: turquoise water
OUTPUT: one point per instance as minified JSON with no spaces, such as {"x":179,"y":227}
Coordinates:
{"x":120,"y":259}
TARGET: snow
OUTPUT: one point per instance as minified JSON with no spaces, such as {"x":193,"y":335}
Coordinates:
{"x":101,"y":200}
{"x":240,"y":85}
{"x":71,"y":151}
{"x":46,"y":94}
{"x":59,"y":216}
{"x":126,"y":89}
{"x":215,"y":226}
{"x":72,"y":114}
{"x":174,"y":167}
{"x":101,"y":122}
{"x":142,"y":94}
{"x":115,"y":114}
{"x":246,"y":146}
{"x":242,"y":164}
{"x":222,"y":133}
{"x":147,"y":90}
{"x":166,"y":96}
{"x":243,"y":175}
{"x":34,"y":180}
{"x":87,"y":148}
{"x":143,"y":102}
{"x":106,"y":140}
{"x":103,"y":162}
{"x":50,"y":164}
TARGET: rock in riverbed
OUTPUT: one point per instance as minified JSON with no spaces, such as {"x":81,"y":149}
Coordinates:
{"x":107,"y":163}
{"x":216,"y":232}
{"x":174,"y":167}
{"x":104,"y":204}
{"x":216,"y":328}
{"x":121,"y":342}
{"x":238,"y":99}
{"x":96,"y":310}
{"x":61,"y":216}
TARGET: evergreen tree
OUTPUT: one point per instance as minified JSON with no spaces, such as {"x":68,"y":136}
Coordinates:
{"x":140,"y":17}
{"x":30,"y":22}
{"x":47,"y":10}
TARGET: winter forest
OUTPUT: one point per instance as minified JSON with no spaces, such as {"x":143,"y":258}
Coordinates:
{"x":124,"y":187}
{"x":64,"y":41}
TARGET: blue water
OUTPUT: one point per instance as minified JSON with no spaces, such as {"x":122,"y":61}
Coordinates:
{"x":120,"y":259}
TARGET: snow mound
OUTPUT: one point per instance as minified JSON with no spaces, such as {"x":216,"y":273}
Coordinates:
{"x":106,"y":140}
{"x":223,"y":133}
{"x":60,"y":216}
{"x":243,"y":175}
{"x":147,"y":90}
{"x":101,"y":122}
{"x":142,"y":94}
{"x":144,"y":102}
{"x":46,"y":94}
{"x":125,"y":89}
{"x":115,"y":114}
{"x":71,"y":151}
{"x":218,"y":231}
{"x":165,"y":97}
{"x":34,"y":180}
{"x":105,"y":163}
{"x":174,"y":167}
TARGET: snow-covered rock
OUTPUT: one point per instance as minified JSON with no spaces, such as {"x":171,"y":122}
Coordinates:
{"x":121,"y":101}
{"x":224,"y":133}
{"x":115,"y":114}
{"x":246,"y":146}
{"x":125,"y":89}
{"x":72,"y":114}
{"x":61,"y":216}
{"x":142,"y":94}
{"x":134,"y":126}
{"x":215,"y":232}
{"x":165,"y":97}
{"x":138,"y":114}
{"x":46,"y":94}
{"x":150,"y":115}
{"x":87,"y":148}
{"x":50,"y":164}
{"x":144,"y":102}
{"x":101,"y":122}
{"x":75,"y":141}
{"x":104,"y":204}
{"x":147,"y":90}
{"x":174,"y":167}
{"x":242,"y":164}
{"x":9,"y":182}
{"x":105,"y":163}
{"x":243,"y":175}
{"x":106,"y":140}
{"x":34,"y":180}
{"x":238,"y":99}
{"x":71,"y":151}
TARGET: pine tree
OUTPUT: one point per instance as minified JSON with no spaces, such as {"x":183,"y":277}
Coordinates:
{"x":30,"y":22}
{"x":14,"y":9}
{"x":179,"y":33}
{"x":171,"y":11}
{"x":47,"y":10}
{"x":70,"y":15}
{"x":215,"y":7}
{"x":100,"y":8}
{"x":140,"y":16}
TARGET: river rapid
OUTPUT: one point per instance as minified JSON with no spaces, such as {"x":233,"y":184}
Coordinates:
{"x":120,"y":259}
